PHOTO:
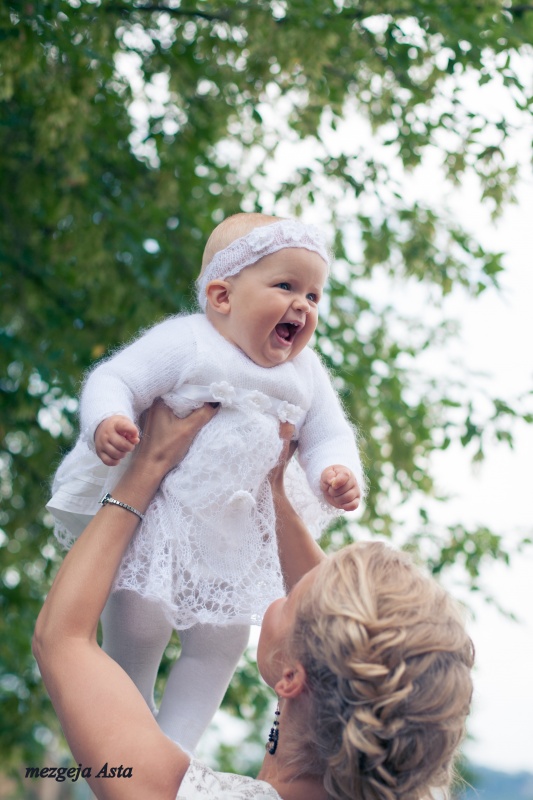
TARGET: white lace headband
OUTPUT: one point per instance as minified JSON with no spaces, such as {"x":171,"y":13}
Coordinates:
{"x":261,"y":241}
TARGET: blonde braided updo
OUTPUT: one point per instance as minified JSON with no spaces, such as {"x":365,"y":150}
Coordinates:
{"x":388,"y":666}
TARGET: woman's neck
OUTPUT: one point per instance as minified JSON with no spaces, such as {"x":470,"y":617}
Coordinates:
{"x":289,"y":782}
{"x":287,"y":770}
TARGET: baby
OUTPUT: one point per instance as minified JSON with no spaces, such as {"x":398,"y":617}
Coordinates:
{"x":204,"y":560}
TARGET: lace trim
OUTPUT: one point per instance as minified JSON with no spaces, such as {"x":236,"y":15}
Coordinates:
{"x":228,"y":396}
{"x":260,"y":242}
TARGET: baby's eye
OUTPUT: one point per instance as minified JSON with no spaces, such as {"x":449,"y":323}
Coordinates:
{"x":284,"y":285}
{"x":312,"y":297}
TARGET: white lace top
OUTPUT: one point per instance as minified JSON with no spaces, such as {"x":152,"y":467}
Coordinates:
{"x":201,"y":783}
{"x":206,"y":549}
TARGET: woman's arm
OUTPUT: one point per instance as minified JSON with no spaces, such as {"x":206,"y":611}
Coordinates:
{"x":298,"y":551}
{"x":104,"y":717}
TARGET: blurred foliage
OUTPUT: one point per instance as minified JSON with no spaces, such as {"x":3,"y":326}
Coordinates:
{"x":128,"y":129}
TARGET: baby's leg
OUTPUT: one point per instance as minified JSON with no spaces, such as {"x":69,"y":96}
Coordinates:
{"x":199,"y":679}
{"x":135,"y":634}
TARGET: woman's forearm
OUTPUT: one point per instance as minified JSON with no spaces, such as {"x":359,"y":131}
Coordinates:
{"x":298,"y":551}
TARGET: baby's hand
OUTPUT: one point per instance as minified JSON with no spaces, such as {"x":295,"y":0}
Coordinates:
{"x":340,"y":487}
{"x":115,"y":437}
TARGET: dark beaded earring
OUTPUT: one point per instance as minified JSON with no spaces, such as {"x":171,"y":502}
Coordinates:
{"x":273,"y":736}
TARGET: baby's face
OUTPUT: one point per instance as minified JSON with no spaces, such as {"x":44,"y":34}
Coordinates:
{"x":274,"y":305}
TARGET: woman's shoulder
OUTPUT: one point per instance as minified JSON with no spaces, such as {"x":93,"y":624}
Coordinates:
{"x":202,"y":783}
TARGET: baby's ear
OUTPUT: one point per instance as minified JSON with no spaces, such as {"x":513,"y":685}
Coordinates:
{"x":218,"y":296}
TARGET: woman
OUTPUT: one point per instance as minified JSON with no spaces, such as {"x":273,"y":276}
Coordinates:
{"x":369,"y":659}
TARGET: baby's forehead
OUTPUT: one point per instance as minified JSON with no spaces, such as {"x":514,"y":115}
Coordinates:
{"x":297,"y":261}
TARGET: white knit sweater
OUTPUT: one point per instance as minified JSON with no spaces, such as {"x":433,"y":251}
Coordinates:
{"x":207,"y":547}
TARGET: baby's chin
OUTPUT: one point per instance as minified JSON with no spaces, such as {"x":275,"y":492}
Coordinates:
{"x":277,"y":357}
{"x":272,"y":353}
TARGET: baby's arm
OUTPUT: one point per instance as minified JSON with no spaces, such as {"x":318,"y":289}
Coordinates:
{"x":327,"y":444}
{"x":115,"y":437}
{"x":127,"y":383}
{"x":340,"y":487}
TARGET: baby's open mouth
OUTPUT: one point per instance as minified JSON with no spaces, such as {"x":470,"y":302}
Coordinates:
{"x":286,"y":330}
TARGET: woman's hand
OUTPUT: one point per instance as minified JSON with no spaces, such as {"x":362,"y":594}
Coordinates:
{"x":286,"y":432}
{"x":166,"y":438}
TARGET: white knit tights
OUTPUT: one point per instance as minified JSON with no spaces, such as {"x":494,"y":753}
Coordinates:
{"x":135,"y":634}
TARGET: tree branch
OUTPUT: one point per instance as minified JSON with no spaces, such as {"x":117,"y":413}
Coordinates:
{"x":519,"y":11}
{"x":223,"y":16}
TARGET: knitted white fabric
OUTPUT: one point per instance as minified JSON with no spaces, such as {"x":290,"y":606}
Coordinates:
{"x":260,"y":242}
{"x":207,"y":547}
{"x":202,"y":783}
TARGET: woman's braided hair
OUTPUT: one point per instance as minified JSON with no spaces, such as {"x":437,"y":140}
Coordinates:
{"x":388,"y":666}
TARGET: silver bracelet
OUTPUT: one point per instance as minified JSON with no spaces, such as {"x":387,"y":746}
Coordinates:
{"x":108,"y":499}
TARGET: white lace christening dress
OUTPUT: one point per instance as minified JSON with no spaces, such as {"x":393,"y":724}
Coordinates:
{"x":201,"y":783}
{"x":206,"y":549}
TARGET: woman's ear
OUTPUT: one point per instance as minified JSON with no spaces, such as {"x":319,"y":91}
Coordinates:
{"x":218,"y":296}
{"x":292,"y":682}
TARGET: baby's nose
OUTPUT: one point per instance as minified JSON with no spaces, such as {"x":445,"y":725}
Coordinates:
{"x":302,"y":304}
